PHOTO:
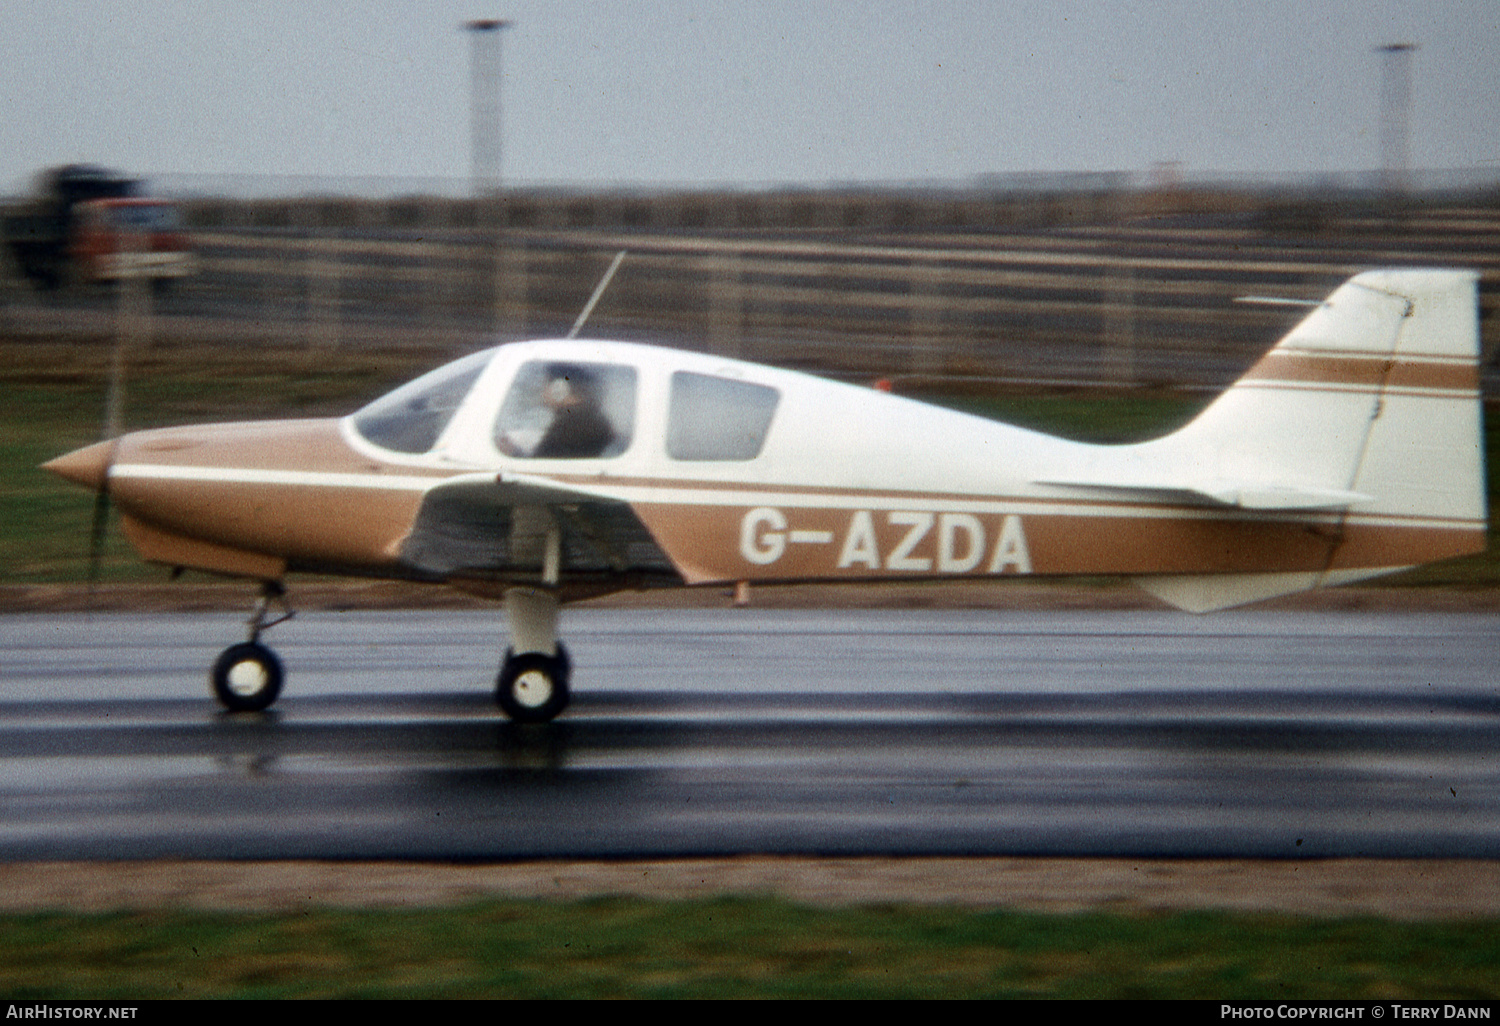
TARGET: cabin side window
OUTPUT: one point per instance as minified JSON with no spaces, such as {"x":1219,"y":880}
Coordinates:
{"x":412,"y":418}
{"x":567,"y":410}
{"x":711,"y":418}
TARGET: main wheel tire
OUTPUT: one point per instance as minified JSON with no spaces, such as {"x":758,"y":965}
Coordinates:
{"x":532,"y":687}
{"x":247,"y":677}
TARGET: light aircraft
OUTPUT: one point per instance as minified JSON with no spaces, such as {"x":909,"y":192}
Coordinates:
{"x":544,"y":471}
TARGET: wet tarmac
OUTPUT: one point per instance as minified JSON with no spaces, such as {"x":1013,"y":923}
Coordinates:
{"x":714,"y":732}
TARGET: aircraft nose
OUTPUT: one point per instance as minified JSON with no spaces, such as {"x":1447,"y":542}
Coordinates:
{"x":88,"y":466}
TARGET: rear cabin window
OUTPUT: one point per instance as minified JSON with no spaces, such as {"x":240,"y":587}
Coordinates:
{"x":566,"y":410}
{"x":411,"y":418}
{"x":711,"y":418}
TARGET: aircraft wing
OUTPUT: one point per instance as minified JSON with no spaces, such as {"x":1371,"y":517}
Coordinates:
{"x":483,"y":524}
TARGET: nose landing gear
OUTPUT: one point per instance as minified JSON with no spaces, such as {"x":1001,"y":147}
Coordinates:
{"x":247,"y":677}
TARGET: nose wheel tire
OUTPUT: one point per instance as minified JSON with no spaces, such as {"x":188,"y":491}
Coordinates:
{"x":246,"y":677}
{"x":533,"y":687}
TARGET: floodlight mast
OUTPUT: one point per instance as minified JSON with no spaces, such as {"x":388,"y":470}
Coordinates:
{"x":484,"y":107}
{"x":1395,"y":115}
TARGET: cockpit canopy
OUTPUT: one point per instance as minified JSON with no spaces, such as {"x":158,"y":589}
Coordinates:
{"x":562,"y":402}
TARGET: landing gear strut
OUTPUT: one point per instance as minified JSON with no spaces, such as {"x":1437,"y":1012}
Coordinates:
{"x":247,"y":677}
{"x":533,"y":682}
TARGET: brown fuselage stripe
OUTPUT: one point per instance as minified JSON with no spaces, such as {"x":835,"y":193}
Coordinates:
{"x":1397,"y":372}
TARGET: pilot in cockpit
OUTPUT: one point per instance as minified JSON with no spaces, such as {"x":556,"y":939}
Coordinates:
{"x":577,"y":428}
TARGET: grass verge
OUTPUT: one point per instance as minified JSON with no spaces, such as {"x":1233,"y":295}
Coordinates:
{"x":738,"y":948}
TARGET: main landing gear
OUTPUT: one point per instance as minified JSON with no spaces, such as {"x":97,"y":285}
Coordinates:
{"x":247,"y":677}
{"x":533,"y":682}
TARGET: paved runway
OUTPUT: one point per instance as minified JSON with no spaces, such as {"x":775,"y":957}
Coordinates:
{"x":735,"y":731}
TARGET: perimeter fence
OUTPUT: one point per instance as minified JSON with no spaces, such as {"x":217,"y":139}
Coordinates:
{"x":1116,"y":288}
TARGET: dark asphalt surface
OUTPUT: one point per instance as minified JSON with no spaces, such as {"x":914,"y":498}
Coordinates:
{"x":758,"y":731}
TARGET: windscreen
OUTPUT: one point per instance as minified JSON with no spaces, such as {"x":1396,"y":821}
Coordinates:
{"x":412,"y":418}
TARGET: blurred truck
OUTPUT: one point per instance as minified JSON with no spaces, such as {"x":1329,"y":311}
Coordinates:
{"x":90,"y":224}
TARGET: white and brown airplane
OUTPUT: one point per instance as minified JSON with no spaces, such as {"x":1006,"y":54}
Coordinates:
{"x":550,"y":470}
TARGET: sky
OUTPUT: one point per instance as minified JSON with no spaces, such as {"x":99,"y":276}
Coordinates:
{"x":741,"y":94}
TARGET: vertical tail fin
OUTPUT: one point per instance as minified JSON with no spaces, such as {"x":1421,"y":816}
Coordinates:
{"x":1371,"y":402}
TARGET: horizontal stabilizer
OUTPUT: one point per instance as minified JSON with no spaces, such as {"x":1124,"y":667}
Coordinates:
{"x":1222,"y":493}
